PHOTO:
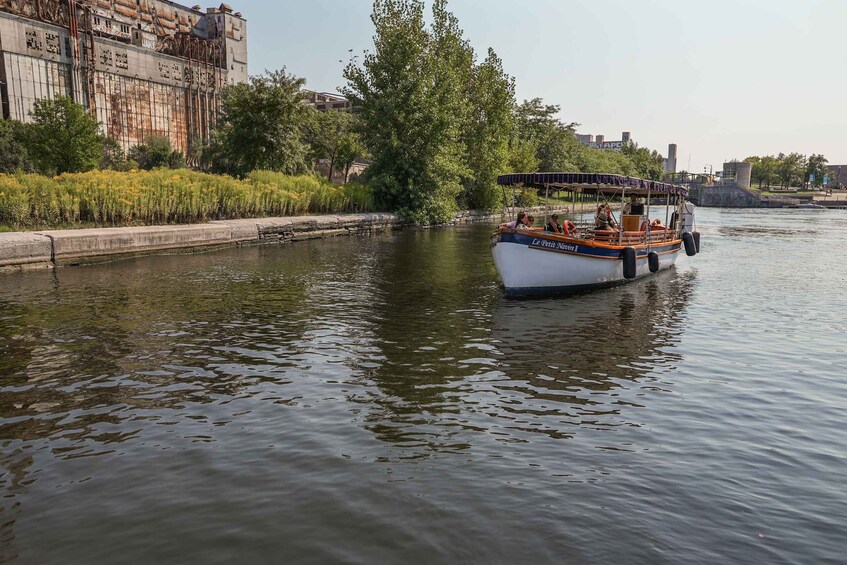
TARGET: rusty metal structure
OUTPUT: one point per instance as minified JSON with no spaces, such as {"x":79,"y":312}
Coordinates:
{"x":142,"y":67}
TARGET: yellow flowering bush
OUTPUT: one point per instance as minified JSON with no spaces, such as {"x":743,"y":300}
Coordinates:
{"x":166,"y":197}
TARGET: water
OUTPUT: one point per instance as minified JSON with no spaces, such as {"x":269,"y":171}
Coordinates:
{"x":376,"y":399}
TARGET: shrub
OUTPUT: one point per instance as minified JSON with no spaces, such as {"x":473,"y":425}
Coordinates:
{"x":165,"y":197}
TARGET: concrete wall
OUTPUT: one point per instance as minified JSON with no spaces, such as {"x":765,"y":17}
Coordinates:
{"x":735,"y":196}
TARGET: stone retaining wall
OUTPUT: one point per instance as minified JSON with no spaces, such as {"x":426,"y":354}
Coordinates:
{"x":734,"y":196}
{"x":70,"y":247}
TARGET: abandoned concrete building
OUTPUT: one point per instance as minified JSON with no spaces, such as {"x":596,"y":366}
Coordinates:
{"x":142,"y":67}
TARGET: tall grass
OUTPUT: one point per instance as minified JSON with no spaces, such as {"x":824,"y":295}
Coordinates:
{"x":112,"y":198}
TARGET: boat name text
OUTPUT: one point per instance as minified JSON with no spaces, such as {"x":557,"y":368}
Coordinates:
{"x":554,"y":245}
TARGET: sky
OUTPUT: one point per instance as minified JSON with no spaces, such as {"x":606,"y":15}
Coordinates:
{"x":723,"y":79}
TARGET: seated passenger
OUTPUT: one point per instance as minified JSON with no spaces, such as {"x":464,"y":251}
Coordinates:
{"x":655,"y":225}
{"x":521,"y":221}
{"x":604,"y":220}
{"x":553,"y":225}
{"x":530,"y":220}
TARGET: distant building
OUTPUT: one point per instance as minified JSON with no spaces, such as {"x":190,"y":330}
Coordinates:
{"x":837,"y":175}
{"x":141,"y":67}
{"x":737,"y":172}
{"x":599,"y":141}
{"x":670,"y":161}
{"x":327,"y":101}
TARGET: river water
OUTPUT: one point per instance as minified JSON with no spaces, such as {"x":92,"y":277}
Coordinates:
{"x":376,"y":399}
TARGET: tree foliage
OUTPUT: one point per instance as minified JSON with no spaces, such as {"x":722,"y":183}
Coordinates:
{"x":487,"y":133}
{"x":408,"y":94}
{"x":262,"y":126}
{"x":63,"y":138}
{"x":155,"y":153}
{"x":332,"y":136}
{"x":792,"y":169}
{"x":13,"y":153}
{"x":816,"y":169}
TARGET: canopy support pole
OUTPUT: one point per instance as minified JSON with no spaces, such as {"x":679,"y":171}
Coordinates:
{"x":620,"y":226}
{"x":647,"y":231}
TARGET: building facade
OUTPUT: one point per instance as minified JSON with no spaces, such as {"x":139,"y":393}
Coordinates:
{"x":327,"y":101}
{"x":737,"y":173}
{"x":142,"y":67}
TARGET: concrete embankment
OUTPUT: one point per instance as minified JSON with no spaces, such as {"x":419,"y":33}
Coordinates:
{"x":43,"y":249}
{"x":734,"y":196}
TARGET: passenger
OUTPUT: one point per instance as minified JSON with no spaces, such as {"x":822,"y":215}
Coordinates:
{"x":604,"y":220}
{"x":521,"y":221}
{"x":655,"y":225}
{"x":599,"y":220}
{"x":553,"y":226}
{"x":530,"y":221}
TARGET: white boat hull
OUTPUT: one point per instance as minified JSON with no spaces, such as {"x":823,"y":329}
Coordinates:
{"x":532,"y":266}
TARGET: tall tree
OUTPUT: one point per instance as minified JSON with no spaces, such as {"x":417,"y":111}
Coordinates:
{"x":262,"y":126}
{"x":408,"y":95}
{"x":492,"y":100}
{"x":64,"y":138}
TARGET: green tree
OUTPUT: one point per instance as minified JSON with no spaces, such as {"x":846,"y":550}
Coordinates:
{"x":409,"y":96}
{"x":522,"y":155}
{"x":764,"y":170}
{"x":64,"y":138}
{"x":557,"y":148}
{"x":156,"y":152}
{"x":790,"y":168}
{"x":816,"y":169}
{"x":350,"y":150}
{"x":492,"y":100}
{"x":13,"y":153}
{"x":647,"y":163}
{"x":331,"y":135}
{"x":262,"y":126}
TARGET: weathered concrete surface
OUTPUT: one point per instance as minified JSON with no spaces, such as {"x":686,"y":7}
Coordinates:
{"x":310,"y":227}
{"x":69,"y":245}
{"x":734,"y":196}
{"x":241,"y":230}
{"x":24,"y":250}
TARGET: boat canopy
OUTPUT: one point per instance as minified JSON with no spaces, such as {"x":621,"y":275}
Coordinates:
{"x":591,"y":183}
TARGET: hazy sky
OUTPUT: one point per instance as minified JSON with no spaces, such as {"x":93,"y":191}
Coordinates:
{"x":723,"y":79}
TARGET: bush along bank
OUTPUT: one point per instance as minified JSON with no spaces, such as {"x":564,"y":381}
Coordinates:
{"x":112,"y":198}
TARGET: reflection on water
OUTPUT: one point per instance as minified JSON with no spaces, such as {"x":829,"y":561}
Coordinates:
{"x":383,"y":382}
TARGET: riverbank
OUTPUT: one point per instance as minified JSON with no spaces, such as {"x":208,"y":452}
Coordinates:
{"x":50,"y":248}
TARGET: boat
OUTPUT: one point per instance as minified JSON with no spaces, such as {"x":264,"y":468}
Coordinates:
{"x":535,"y":262}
